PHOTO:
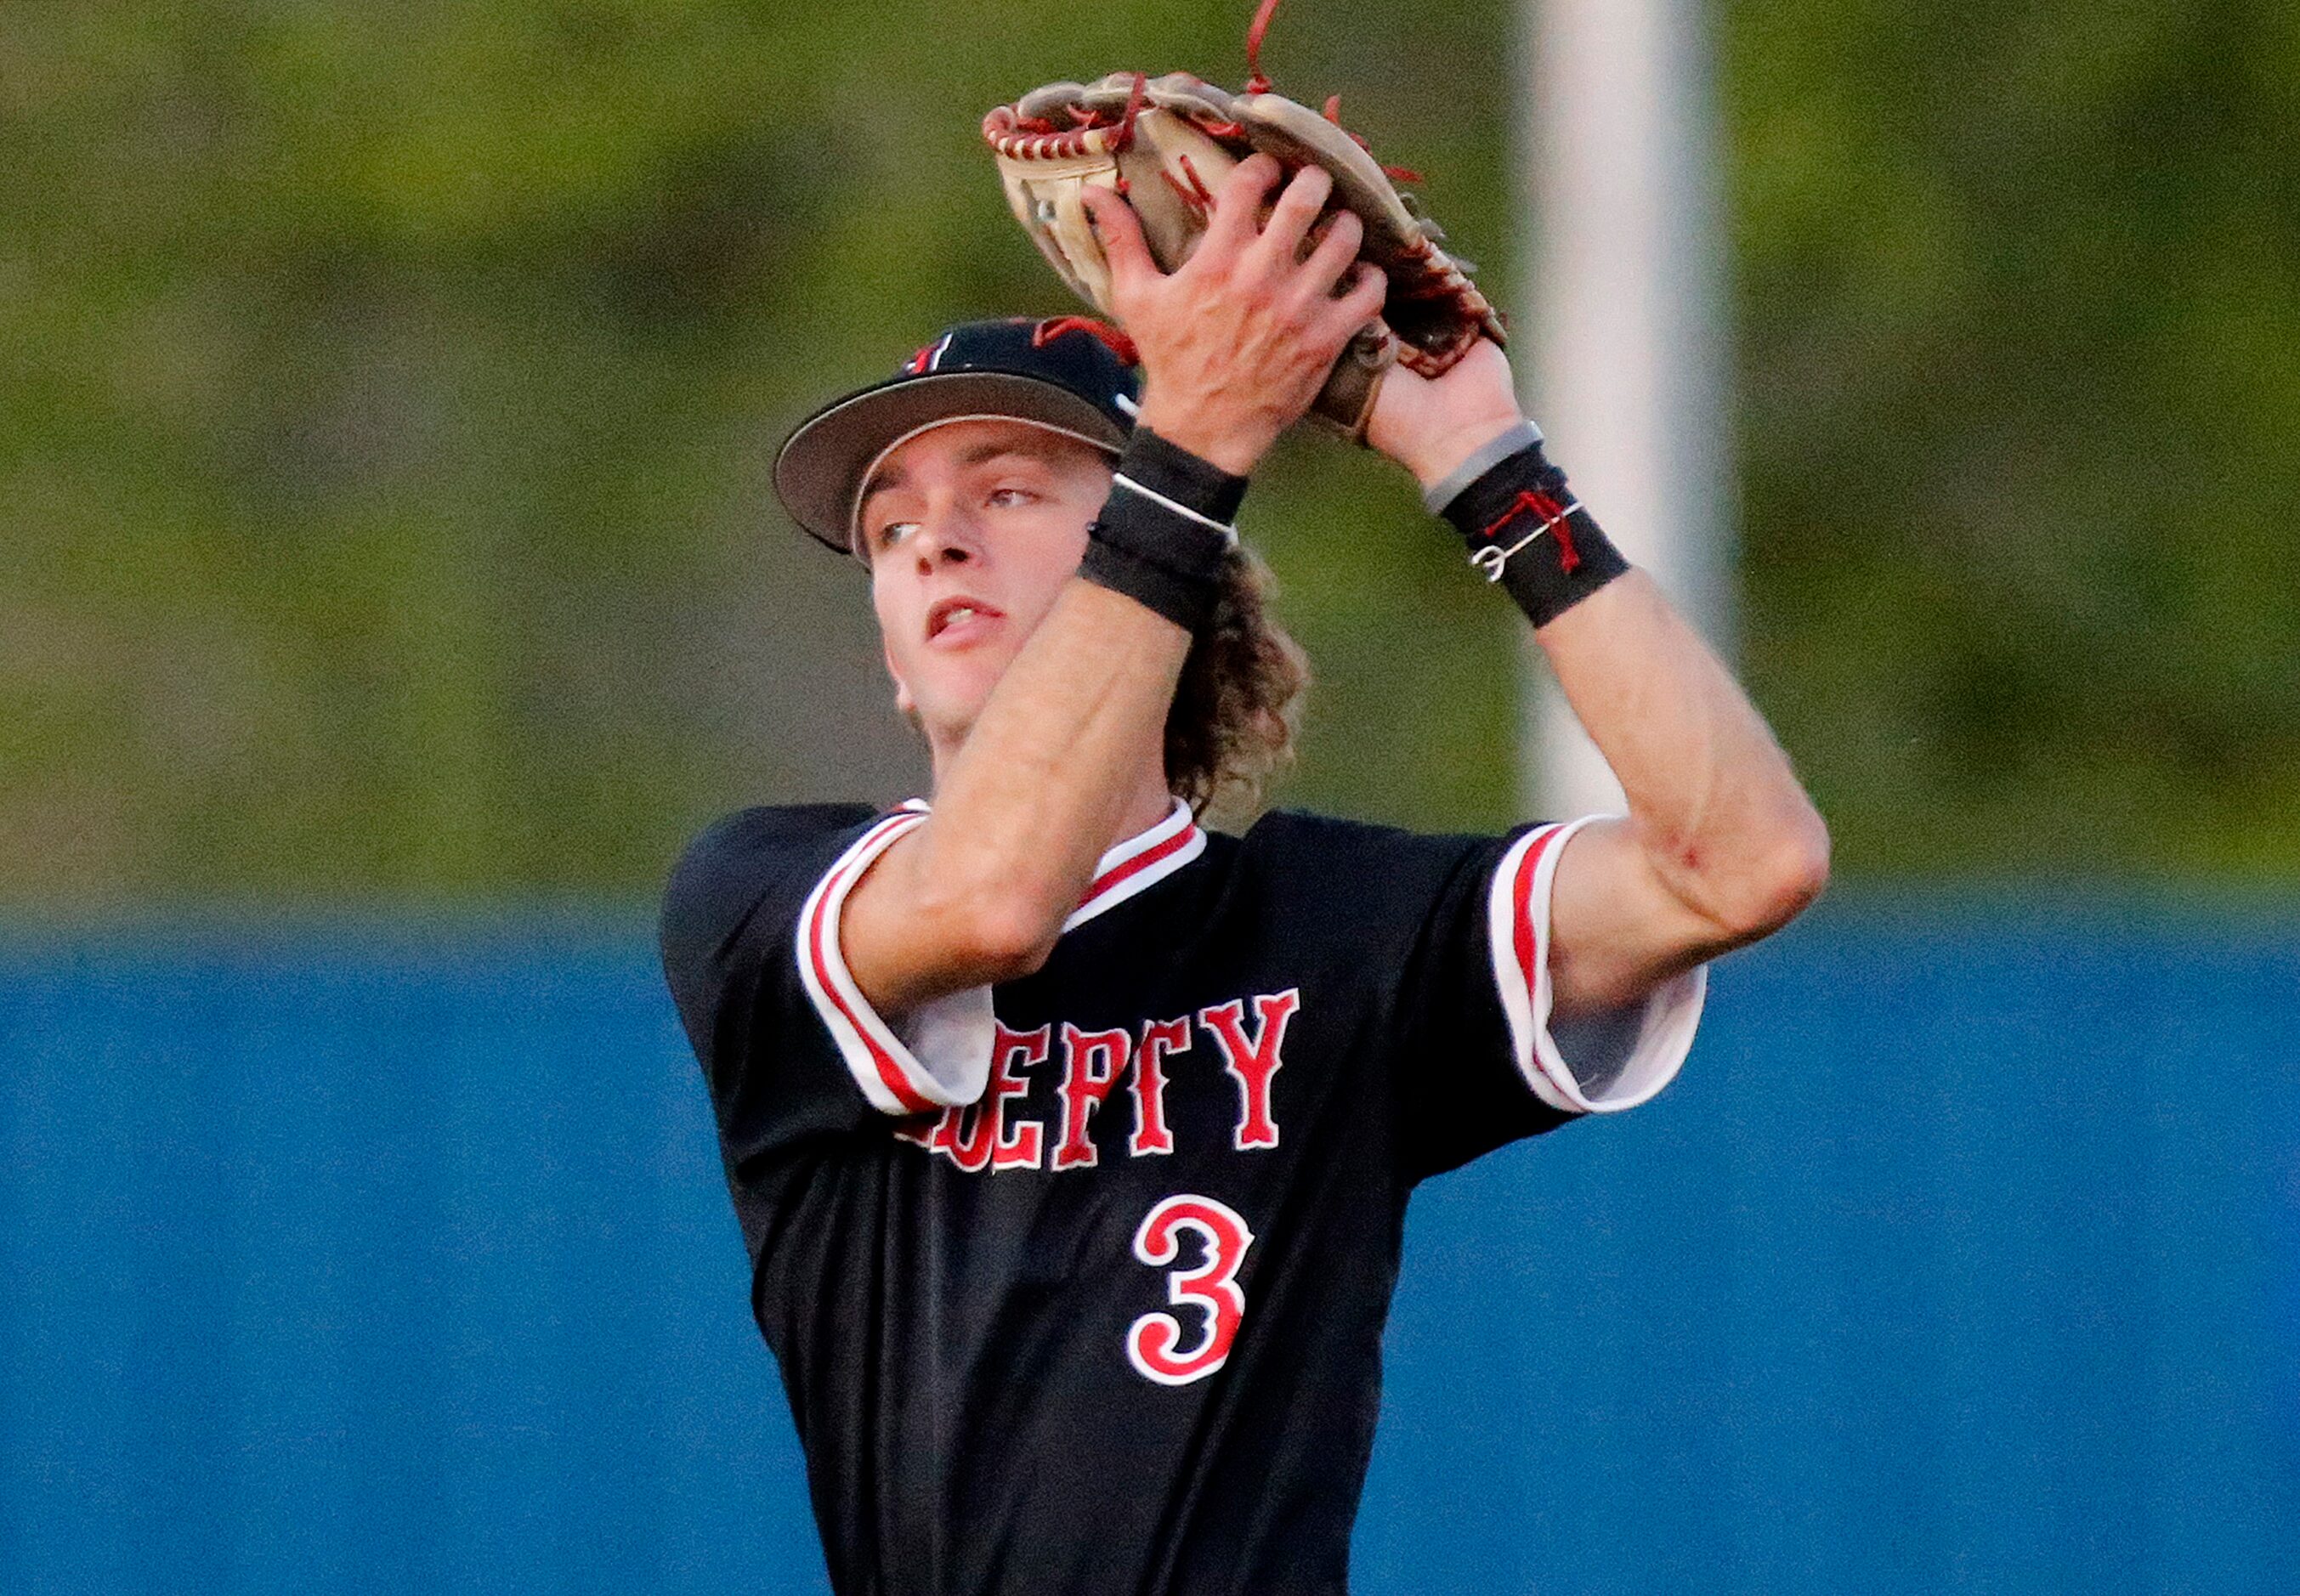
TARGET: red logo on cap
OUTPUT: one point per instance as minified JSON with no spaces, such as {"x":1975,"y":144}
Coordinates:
{"x":1054,"y":326}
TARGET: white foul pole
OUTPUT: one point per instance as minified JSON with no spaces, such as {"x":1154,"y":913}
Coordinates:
{"x":1623,"y":319}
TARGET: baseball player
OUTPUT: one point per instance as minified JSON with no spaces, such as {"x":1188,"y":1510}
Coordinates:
{"x":1071,"y":1142}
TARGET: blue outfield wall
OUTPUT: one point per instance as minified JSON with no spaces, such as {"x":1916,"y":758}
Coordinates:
{"x":1966,"y":1257}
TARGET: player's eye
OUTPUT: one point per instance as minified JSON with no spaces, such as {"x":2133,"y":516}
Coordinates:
{"x":1007,"y":496}
{"x":892,"y":532}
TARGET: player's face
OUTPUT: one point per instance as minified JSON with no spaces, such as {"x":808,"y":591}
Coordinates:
{"x":971,"y":530}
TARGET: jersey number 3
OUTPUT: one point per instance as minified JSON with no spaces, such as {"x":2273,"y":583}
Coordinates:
{"x":1154,"y":1343}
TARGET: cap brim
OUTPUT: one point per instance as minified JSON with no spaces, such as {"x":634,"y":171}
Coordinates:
{"x":819,"y":470}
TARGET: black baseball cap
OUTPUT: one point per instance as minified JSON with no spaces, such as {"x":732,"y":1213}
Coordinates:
{"x":1071,"y":374}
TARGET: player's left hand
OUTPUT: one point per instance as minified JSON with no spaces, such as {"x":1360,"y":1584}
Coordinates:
{"x":1236,"y":341}
{"x":1430,"y":425}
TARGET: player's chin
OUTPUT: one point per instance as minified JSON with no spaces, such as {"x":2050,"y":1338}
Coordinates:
{"x":955,"y":690}
{"x":976,"y":660}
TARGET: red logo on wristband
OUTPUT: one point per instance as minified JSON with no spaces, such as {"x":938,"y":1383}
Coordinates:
{"x":1552,"y":514}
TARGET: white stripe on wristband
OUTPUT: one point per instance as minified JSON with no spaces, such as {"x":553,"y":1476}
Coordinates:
{"x":1120,"y":479}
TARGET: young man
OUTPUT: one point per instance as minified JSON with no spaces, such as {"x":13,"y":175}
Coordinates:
{"x":1071,"y":1143}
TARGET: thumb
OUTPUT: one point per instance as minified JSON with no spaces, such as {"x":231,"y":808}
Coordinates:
{"x":1120,"y":232}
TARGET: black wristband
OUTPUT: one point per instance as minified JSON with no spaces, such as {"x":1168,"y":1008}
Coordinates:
{"x":1163,"y":537}
{"x":1528,"y":532}
{"x":1173,"y":472}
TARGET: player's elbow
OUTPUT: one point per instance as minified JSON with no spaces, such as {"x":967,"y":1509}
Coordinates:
{"x":972,"y":919}
{"x":1016,"y":941}
{"x":998,"y":937}
{"x":1779,"y":878}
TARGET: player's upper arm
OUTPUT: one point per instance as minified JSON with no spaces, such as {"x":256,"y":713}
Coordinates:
{"x":1618,"y":930}
{"x":1452,"y":933}
{"x":752,"y":954}
{"x":914,"y":930}
{"x":1584,"y":1051}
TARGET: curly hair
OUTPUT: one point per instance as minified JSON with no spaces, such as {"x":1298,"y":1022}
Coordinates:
{"x":1238,"y":703}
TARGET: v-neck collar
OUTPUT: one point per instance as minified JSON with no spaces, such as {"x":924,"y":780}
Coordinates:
{"x":1134,"y":866}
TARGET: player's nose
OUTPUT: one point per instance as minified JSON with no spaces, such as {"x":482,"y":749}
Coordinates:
{"x":948,"y":535}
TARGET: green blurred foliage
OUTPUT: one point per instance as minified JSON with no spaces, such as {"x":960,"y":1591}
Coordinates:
{"x":386,"y":395}
{"x":2019,"y":300}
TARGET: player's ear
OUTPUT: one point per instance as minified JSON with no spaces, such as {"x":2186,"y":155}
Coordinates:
{"x":904,"y":703}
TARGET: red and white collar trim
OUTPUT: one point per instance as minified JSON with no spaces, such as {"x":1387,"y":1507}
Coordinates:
{"x":1134,"y":866}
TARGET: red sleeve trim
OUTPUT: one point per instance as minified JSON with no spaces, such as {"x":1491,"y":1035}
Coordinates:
{"x":1140,"y":862}
{"x":889,"y":1074}
{"x":1518,"y":920}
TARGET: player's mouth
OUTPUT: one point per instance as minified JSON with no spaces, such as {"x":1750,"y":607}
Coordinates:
{"x":958,"y":620}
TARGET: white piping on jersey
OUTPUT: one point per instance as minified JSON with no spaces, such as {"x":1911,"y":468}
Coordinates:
{"x":1517,"y":910}
{"x":1134,"y":866}
{"x":1140,"y":862}
{"x":891,"y":1075}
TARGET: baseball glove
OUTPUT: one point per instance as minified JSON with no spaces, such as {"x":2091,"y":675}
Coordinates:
{"x":1166,"y":143}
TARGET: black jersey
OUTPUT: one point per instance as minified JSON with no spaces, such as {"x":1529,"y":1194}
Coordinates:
{"x":1078,"y":1285}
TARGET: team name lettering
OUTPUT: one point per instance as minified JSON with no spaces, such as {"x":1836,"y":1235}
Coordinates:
{"x":969,"y":1135}
{"x":1253,"y":1061}
{"x":1015,"y":1146}
{"x":1086,"y":1069}
{"x":1092,"y":1062}
{"x":1159,"y":1038}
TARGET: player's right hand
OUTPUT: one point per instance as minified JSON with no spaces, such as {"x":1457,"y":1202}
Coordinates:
{"x":1236,"y":343}
{"x":1430,"y":425}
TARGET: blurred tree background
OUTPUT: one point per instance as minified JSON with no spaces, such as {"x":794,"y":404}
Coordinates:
{"x":386,"y":395}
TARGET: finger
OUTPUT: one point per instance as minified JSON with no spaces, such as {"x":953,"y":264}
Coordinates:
{"x":1119,"y":231}
{"x":1362,"y":302}
{"x":1323,"y":272}
{"x":1297,"y":207}
{"x":1237,"y":201}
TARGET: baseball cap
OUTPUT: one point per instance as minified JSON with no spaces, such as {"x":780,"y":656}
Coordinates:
{"x":1071,"y":374}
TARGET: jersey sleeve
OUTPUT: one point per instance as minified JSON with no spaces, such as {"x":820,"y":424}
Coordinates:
{"x":1487,"y":1061}
{"x":787,"y":1044}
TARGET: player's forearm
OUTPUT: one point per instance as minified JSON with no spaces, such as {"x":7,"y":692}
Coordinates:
{"x":1074,"y":739}
{"x":1723,"y":844}
{"x":1041,"y":786}
{"x":1713,"y":804}
{"x":1042,"y":783}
